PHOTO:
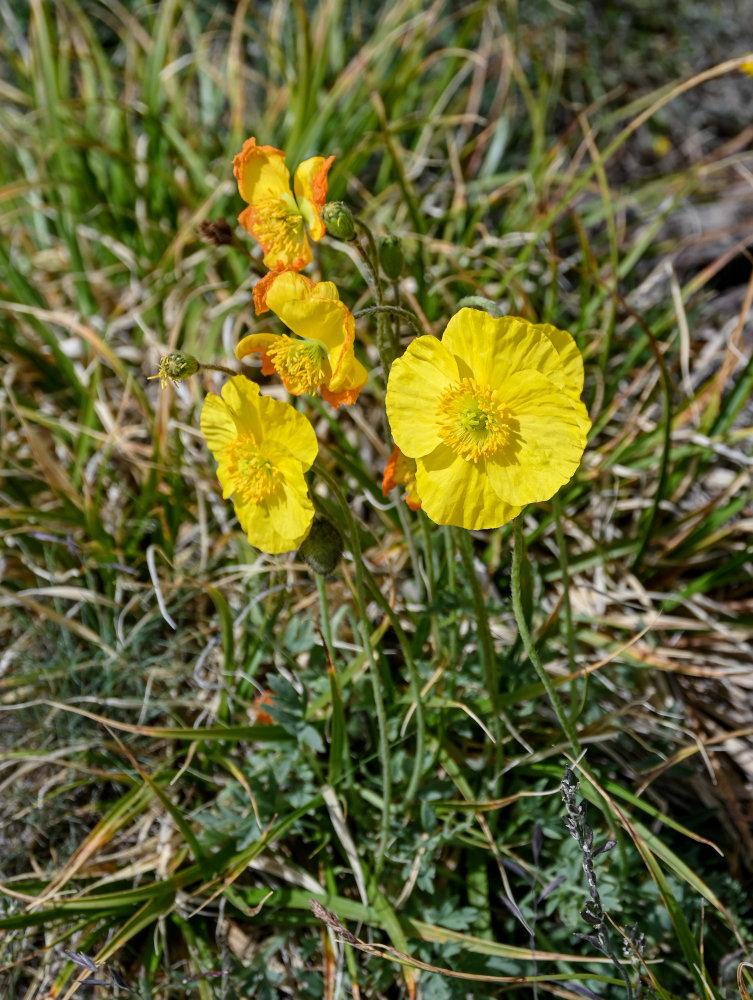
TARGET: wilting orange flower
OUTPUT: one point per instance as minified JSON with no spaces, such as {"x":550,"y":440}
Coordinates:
{"x":401,"y":470}
{"x":321,"y":359}
{"x":275,"y":216}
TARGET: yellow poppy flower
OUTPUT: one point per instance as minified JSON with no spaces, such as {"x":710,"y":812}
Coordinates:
{"x":262,"y":447}
{"x":492,"y":415}
{"x":322,"y":361}
{"x":401,"y":470}
{"x":275,"y":217}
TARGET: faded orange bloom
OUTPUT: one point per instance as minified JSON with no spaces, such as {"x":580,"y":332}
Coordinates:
{"x":277,"y":217}
{"x":401,"y":470}
{"x":320,"y":359}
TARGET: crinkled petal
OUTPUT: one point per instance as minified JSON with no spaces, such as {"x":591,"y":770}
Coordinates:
{"x":261,"y":172}
{"x":282,"y":521}
{"x":549,"y":436}
{"x":455,"y":491}
{"x":352,"y":378}
{"x":314,"y":312}
{"x":415,"y":384}
{"x":310,"y":185}
{"x":241,"y":396}
{"x":278,"y":228}
{"x":470,"y":337}
{"x":570,"y":357}
{"x":286,"y":431}
{"x":217,"y":424}
{"x":260,"y":291}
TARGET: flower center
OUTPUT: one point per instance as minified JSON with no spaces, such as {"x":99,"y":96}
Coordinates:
{"x":471,"y":421}
{"x":254,"y":478}
{"x":278,"y":223}
{"x":302,"y":364}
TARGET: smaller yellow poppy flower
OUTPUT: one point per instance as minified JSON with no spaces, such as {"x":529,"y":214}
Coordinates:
{"x":275,"y":217}
{"x":262,"y":447}
{"x":322,"y":360}
{"x":401,"y":470}
{"x":491,"y":414}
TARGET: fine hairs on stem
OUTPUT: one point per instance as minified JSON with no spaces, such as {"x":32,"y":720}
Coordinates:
{"x":593,"y":911}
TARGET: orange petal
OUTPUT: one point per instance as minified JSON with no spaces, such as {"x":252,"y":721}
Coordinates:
{"x":260,"y":291}
{"x":310,"y":186}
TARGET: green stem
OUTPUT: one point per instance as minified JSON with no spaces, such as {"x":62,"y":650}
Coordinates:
{"x":486,"y":643}
{"x":381,"y":714}
{"x":525,"y":635}
{"x":371,"y":259}
{"x":396,"y":311}
{"x":324,"y":609}
{"x":415,"y":682}
{"x":386,"y":343}
{"x":217,"y":368}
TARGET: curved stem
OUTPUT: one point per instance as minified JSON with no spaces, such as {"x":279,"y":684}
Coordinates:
{"x":525,"y":635}
{"x":396,"y":311}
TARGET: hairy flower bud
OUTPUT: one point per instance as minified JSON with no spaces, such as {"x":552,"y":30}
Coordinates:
{"x":175,"y":367}
{"x":338,"y":219}
{"x":322,"y":549}
{"x":391,"y":256}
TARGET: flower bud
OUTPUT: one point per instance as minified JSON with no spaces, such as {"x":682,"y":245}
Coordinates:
{"x":176,"y":366}
{"x":338,"y":219}
{"x":391,"y":256}
{"x":322,"y":548}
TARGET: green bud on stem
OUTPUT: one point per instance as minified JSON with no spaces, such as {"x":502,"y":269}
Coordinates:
{"x":338,"y":219}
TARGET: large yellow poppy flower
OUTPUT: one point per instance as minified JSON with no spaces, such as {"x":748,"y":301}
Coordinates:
{"x":275,"y":217}
{"x":262,"y":447}
{"x":322,"y":360}
{"x":492,"y":415}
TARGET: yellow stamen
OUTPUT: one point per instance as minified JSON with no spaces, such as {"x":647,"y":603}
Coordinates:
{"x":254,"y":478}
{"x":302,"y":364}
{"x":278,"y":224}
{"x":471,"y":421}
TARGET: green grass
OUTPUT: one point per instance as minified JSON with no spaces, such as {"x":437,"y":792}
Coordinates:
{"x":407,"y":772}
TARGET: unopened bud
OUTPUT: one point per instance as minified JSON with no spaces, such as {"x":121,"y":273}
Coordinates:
{"x":322,"y":549}
{"x":391,"y":256}
{"x":338,"y":219}
{"x":175,"y":367}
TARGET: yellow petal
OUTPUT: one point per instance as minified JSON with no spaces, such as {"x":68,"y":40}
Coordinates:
{"x":470,"y":337}
{"x":286,"y":431}
{"x":278,"y":227}
{"x":280,"y":523}
{"x":241,"y":396}
{"x":570,"y":357}
{"x":352,"y":377}
{"x":415,"y":383}
{"x":549,"y":436}
{"x":455,"y":491}
{"x":310,"y":185}
{"x":261,"y":172}
{"x":217,"y":424}
{"x":254,"y":343}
